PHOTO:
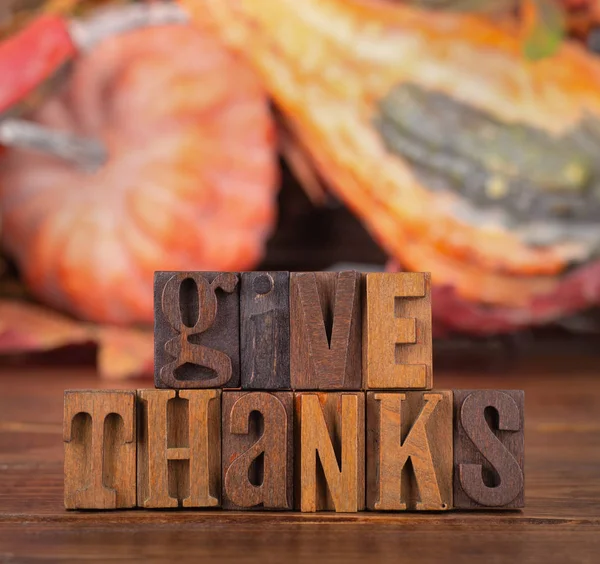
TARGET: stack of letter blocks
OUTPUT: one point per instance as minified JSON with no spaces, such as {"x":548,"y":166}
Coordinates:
{"x":308,"y":391}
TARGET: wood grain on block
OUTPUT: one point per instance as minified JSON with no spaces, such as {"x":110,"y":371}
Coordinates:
{"x":179,"y":448}
{"x":489,"y":449}
{"x":397,"y":343}
{"x":330,"y":451}
{"x":100,"y":445}
{"x":258,"y":450}
{"x":196,"y":330}
{"x":409,"y":451}
{"x":325,"y":331}
{"x":265,"y":330}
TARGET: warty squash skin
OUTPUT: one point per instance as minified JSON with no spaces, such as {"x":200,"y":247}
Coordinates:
{"x":190,"y":182}
{"x":339,"y":70}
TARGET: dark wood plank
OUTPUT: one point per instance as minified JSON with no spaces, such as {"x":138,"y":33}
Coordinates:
{"x":489,"y":449}
{"x":397,"y":336}
{"x":560,"y":522}
{"x":325,"y":330}
{"x":258,"y":450}
{"x":330,"y":451}
{"x":196,"y":330}
{"x":265,"y":330}
{"x":415,"y":427}
{"x":100,"y":445}
{"x":179,"y":448}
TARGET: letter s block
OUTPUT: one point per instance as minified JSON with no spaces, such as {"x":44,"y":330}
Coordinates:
{"x":100,"y":448}
{"x":196,"y":330}
{"x":488,"y":449}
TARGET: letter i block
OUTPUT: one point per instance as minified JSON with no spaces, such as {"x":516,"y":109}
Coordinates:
{"x":196,"y":330}
{"x":413,"y":427}
{"x":179,"y":448}
{"x":100,"y":446}
{"x":265,"y":330}
{"x":330,"y":451}
{"x":397,"y":342}
{"x":489,"y":449}
{"x":258,"y":450}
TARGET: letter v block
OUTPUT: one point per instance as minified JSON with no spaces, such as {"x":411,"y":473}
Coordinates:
{"x":409,"y":451}
{"x":325,"y":331}
{"x":196,"y":330}
{"x":330,"y":451}
{"x":100,"y":446}
{"x":179,"y":448}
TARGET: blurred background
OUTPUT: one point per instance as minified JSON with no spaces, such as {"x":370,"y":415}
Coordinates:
{"x":460,"y":137}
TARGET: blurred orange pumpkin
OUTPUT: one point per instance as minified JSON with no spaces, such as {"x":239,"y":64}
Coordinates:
{"x":190,"y":180}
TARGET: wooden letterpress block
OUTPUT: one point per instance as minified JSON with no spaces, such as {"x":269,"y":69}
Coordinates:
{"x":258,"y":450}
{"x":99,"y":436}
{"x":415,"y":426}
{"x":265,"y":330}
{"x":179,"y":448}
{"x":196,"y":330}
{"x":325,"y":331}
{"x":332,"y":426}
{"x":489,"y":449}
{"x":397,"y":348}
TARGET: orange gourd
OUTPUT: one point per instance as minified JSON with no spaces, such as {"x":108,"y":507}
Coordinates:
{"x":343,"y":72}
{"x":189,"y":184}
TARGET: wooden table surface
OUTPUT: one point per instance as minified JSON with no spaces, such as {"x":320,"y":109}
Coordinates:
{"x":561,"y":522}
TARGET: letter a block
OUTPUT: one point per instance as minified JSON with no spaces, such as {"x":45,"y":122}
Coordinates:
{"x":196,"y":330}
{"x":179,"y":448}
{"x":258,"y":450}
{"x":397,"y":344}
{"x":325,"y":331}
{"x":330,"y":451}
{"x":413,"y":427}
{"x":100,"y":446}
{"x":488,"y":449}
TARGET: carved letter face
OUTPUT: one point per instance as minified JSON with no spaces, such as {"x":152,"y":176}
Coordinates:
{"x":397,"y":345}
{"x":179,"y":448}
{"x":415,"y":426}
{"x":257,"y":450}
{"x":196,"y":330}
{"x":488,"y":449}
{"x":330,"y":428}
{"x":265,"y":330}
{"x":325,"y":332}
{"x":99,"y":435}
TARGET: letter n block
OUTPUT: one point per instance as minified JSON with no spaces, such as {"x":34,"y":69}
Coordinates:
{"x":179,"y":448}
{"x":489,"y":449}
{"x":325,"y":331}
{"x":100,"y":446}
{"x":330,"y":451}
{"x":409,"y":451}
{"x":196,"y":330}
{"x":258,"y":450}
{"x":397,"y":343}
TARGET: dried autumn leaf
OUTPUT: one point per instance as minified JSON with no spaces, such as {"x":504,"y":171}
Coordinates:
{"x":28,"y":328}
